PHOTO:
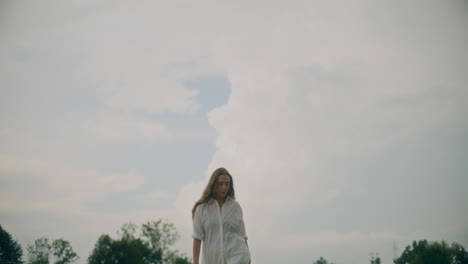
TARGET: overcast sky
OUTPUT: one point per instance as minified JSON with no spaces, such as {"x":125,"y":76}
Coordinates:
{"x":344,"y":125}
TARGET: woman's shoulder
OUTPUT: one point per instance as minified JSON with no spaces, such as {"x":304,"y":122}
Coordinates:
{"x":234,"y":202}
{"x":203,"y":205}
{"x":199,"y":206}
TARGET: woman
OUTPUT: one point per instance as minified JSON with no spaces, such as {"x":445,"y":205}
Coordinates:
{"x":219,"y":223}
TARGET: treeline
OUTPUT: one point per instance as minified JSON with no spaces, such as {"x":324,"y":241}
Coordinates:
{"x":149,"y":244}
{"x":423,"y":252}
{"x":152,"y":245}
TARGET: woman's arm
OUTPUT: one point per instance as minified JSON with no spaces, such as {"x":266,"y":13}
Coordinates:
{"x":248,"y":247}
{"x":196,"y":250}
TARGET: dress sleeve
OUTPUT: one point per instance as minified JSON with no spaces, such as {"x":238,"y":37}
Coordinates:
{"x":198,"y":231}
{"x":243,"y":232}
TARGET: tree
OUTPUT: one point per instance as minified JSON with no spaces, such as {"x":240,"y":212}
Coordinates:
{"x":161,"y":236}
{"x":424,"y":252}
{"x":321,"y":260}
{"x":122,"y":251}
{"x":42,"y":251}
{"x":182,"y":260}
{"x":10,"y":250}
{"x":152,"y":246}
{"x":375,"y":259}
{"x":39,"y":252}
{"x":102,"y":251}
{"x":63,"y":252}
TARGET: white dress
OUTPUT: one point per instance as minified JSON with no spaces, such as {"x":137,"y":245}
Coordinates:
{"x":222,"y":232}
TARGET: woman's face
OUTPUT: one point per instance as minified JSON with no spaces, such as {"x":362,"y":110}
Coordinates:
{"x":222,"y":186}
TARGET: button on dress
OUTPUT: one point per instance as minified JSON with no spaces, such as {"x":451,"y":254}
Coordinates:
{"x":222,"y":232}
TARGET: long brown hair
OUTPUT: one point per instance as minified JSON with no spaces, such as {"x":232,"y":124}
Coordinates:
{"x":209,"y":192}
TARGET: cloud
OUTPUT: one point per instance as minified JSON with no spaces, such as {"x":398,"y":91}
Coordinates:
{"x":33,"y":183}
{"x":159,"y":196}
{"x":343,"y":126}
{"x":334,"y":123}
{"x":41,"y":197}
{"x":168,"y":97}
{"x":121,"y":126}
{"x":86,"y":88}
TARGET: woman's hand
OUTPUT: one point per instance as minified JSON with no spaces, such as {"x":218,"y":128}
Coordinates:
{"x":196,"y":250}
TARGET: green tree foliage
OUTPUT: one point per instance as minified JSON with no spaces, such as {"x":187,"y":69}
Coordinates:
{"x":321,"y":260}
{"x":123,"y":250}
{"x":10,"y":250}
{"x":152,"y":246}
{"x":57,"y":252}
{"x":63,"y":252}
{"x":39,"y":252}
{"x":182,"y":260}
{"x":375,"y":259}
{"x":424,"y":252}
